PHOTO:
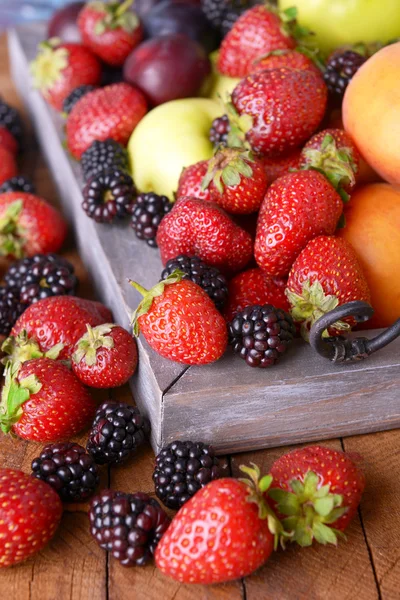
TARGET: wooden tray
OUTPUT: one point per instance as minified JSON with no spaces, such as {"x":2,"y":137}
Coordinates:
{"x":228,"y":404}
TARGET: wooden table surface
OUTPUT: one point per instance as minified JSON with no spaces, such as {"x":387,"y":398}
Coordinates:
{"x":72,"y":566}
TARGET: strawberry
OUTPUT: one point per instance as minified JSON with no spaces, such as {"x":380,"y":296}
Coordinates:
{"x":257,"y":32}
{"x":180,"y":321}
{"x":60,"y":68}
{"x":53,"y":321}
{"x":30,"y":512}
{"x":29,"y":225}
{"x":276,"y":110}
{"x":224,"y":532}
{"x":8,"y":141}
{"x":326,"y":274}
{"x":283,"y":58}
{"x":333,"y":152}
{"x":43,"y":401}
{"x":297,"y":207}
{"x":8,"y":166}
{"x":110,"y":30}
{"x":203,"y":229}
{"x":109,"y":112}
{"x":316,"y":491}
{"x":281,"y":165}
{"x":190,"y":182}
{"x":105,"y":356}
{"x":236,"y":180}
{"x":254,"y":287}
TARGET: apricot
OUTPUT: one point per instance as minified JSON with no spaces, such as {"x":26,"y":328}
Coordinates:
{"x":371,"y":112}
{"x":373,"y":229}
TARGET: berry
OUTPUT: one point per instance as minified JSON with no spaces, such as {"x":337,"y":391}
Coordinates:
{"x":190,"y":182}
{"x":118,"y":430}
{"x":261,"y":334}
{"x":108,"y":196}
{"x":8,"y":141}
{"x":11,"y":120}
{"x":103,"y":156}
{"x":128,"y":525}
{"x":147,"y":214}
{"x":214,"y":11}
{"x":219,"y":131}
{"x":10,"y":308}
{"x":229,"y":18}
{"x":182,"y":469}
{"x":74,"y":96}
{"x":284,"y":58}
{"x":180,"y":322}
{"x":30,"y":512}
{"x":340,"y":69}
{"x":8,"y":166}
{"x":308,"y":481}
{"x":208,"y":278}
{"x":17,"y":184}
{"x":68,"y":469}
{"x":276,"y":167}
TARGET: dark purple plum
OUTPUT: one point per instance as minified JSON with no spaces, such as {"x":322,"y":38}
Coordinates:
{"x":167,"y":67}
{"x":63,"y":23}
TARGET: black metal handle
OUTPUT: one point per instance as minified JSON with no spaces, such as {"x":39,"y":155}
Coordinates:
{"x":341,"y":349}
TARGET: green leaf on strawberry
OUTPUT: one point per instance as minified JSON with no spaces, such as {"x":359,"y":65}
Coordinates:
{"x":11,"y":232}
{"x":20,"y":348}
{"x":14,"y":395}
{"x":226,"y":168}
{"x":94,"y":339}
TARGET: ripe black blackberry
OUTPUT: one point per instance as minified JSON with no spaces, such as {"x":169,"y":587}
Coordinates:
{"x":108,"y":196}
{"x":219,"y":131}
{"x":10,"y":308}
{"x":147,"y":214}
{"x":103,"y":156}
{"x":214,"y":10}
{"x":18,"y":184}
{"x":208,"y":278}
{"x":68,"y":469}
{"x":127,"y":525}
{"x":340,"y":69}
{"x":182,"y":468}
{"x":261,"y":334}
{"x":76,"y":95}
{"x":10,"y":119}
{"x":41,"y":276}
{"x":118,"y":430}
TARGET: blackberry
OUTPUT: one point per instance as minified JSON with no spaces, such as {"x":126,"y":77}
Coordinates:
{"x":214,"y":10}
{"x":102,"y":156}
{"x":10,"y":308}
{"x":340,"y":69}
{"x":18,"y":184}
{"x":68,"y":469}
{"x":41,"y":276}
{"x":10,"y":119}
{"x":182,"y":468}
{"x":260,"y":334}
{"x":147,"y":214}
{"x":208,"y":278}
{"x":229,"y":18}
{"x":118,"y":430}
{"x":127,"y":525}
{"x":108,"y":195}
{"x":76,"y":95}
{"x":219,"y":131}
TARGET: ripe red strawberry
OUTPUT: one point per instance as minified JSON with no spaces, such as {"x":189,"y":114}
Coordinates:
{"x":43,"y":401}
{"x":105,"y":356}
{"x":222,"y":533}
{"x":257,"y":32}
{"x":254,"y":287}
{"x":190,"y":182}
{"x":110,"y":30}
{"x":203,"y":229}
{"x":29,"y":225}
{"x":297,"y":207}
{"x":317,"y":491}
{"x":8,"y":166}
{"x":58,"y":320}
{"x":333,"y":152}
{"x":60,"y":68}
{"x":283,"y":58}
{"x":281,"y":165}
{"x":326,"y":274}
{"x":8,"y":141}
{"x":30,"y":512}
{"x":109,"y":112}
{"x":236,"y":180}
{"x":180,"y":321}
{"x":277,"y":109}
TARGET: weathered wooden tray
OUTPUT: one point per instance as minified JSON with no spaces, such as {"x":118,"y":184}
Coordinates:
{"x":228,"y":404}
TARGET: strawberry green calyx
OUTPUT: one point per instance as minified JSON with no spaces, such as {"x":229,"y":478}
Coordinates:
{"x":310,"y":509}
{"x":49,"y":64}
{"x":21,"y":348}
{"x":227,"y":167}
{"x":116,"y":16}
{"x":13,"y":396}
{"x":292,"y":28}
{"x":149,"y":295}
{"x":11,"y":233}
{"x":239,"y":125}
{"x":94,"y":339}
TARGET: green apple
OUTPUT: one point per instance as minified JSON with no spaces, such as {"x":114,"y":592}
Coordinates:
{"x":220,"y":86}
{"x":170,"y":137}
